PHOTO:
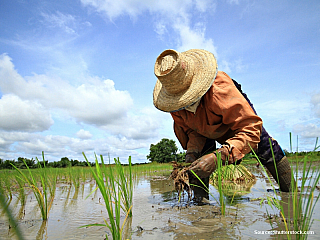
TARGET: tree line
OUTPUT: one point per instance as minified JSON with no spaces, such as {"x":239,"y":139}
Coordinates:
{"x":32,"y":163}
{"x":303,"y":153}
{"x":164,"y":151}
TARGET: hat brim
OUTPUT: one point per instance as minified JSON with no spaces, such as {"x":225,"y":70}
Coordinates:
{"x":205,"y":72}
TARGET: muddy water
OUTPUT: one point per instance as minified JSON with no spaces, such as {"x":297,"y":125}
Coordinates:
{"x":157,"y":214}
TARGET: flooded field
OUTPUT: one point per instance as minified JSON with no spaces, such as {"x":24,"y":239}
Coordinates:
{"x":157,"y":214}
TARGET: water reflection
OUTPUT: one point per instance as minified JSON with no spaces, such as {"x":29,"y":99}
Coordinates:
{"x":162,"y":190}
{"x":156,"y":213}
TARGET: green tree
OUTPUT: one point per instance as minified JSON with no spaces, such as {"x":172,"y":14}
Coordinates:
{"x":30,"y":163}
{"x":65,"y":162}
{"x":163,"y":152}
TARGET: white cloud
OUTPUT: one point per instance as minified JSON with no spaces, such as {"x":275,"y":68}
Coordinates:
{"x":30,"y":145}
{"x":83,"y":134}
{"x":310,"y":130}
{"x":23,"y":115}
{"x":194,"y":38}
{"x":169,"y":14}
{"x":29,"y":102}
{"x":141,"y":125}
{"x":94,"y":102}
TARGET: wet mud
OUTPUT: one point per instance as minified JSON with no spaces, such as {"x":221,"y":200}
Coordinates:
{"x":157,"y":213}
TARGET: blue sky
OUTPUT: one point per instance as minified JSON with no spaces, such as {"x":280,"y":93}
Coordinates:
{"x":77,"y":76}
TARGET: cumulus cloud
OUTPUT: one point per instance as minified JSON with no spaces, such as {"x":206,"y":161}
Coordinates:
{"x":310,"y":130}
{"x":194,"y":38}
{"x":83,"y":134}
{"x":23,"y":115}
{"x":29,"y":105}
{"x":30,"y":145}
{"x":140,"y":125}
{"x":95,"y":102}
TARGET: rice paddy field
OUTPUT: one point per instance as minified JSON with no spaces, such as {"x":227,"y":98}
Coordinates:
{"x":140,"y":202}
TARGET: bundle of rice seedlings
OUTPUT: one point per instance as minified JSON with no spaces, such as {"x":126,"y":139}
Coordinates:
{"x":236,"y":180}
{"x":235,"y":174}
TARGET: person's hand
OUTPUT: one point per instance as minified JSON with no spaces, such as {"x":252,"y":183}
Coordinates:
{"x":191,"y":156}
{"x":226,"y":157}
{"x":205,"y":165}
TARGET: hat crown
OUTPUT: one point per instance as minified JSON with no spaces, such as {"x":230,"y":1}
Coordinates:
{"x":182,"y":78}
{"x":173,"y":71}
{"x":168,"y":62}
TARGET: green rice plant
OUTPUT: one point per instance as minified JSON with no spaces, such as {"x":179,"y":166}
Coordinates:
{"x":303,"y":207}
{"x":74,"y":175}
{"x":234,"y":173}
{"x":126,"y":185}
{"x":12,"y":221}
{"x":52,"y":176}
{"x":22,"y":194}
{"x":220,"y":189}
{"x":236,"y":180}
{"x":6,"y":198}
{"x":111,"y":193}
{"x":7,"y":184}
{"x":151,"y":168}
{"x":301,"y":202}
{"x":41,"y":190}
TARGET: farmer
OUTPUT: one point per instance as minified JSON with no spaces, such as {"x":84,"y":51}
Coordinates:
{"x":207,"y":106}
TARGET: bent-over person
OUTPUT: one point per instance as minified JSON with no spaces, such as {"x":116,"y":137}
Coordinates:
{"x":208,"y":106}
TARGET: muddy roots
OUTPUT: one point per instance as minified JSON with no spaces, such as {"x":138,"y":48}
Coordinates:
{"x":182,"y":178}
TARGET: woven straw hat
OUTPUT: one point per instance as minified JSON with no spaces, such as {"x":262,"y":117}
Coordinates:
{"x":183,"y":78}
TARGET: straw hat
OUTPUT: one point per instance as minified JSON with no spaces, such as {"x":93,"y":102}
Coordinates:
{"x":183,"y":78}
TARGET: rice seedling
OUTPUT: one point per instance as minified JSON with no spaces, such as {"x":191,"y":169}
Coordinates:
{"x":111,"y":193}
{"x":126,"y":185}
{"x":303,"y":206}
{"x":300,"y":203}
{"x":7,"y":184}
{"x":41,"y":191}
{"x":74,"y":176}
{"x":22,"y":194}
{"x":12,"y":221}
{"x":220,"y":189}
{"x":151,"y":168}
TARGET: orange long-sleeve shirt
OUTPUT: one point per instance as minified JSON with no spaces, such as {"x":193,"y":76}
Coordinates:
{"x":223,"y":115}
